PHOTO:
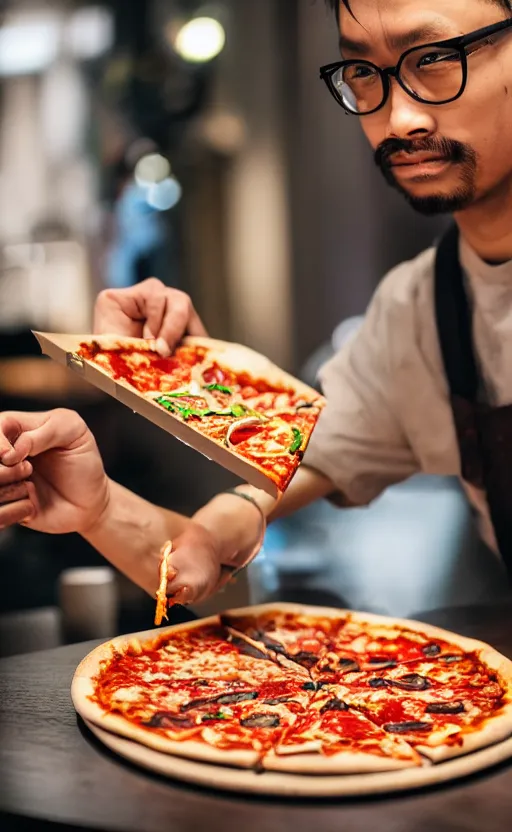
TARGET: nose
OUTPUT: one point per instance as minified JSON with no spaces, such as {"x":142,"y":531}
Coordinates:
{"x":408,"y":118}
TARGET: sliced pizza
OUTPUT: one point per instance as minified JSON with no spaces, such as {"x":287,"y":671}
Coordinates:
{"x":248,"y":689}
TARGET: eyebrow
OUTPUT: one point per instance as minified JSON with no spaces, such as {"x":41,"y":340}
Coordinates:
{"x":428,"y":33}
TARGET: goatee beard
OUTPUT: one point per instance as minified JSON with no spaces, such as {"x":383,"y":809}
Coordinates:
{"x":447,"y":149}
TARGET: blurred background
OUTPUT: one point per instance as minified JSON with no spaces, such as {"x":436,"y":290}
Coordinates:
{"x":196,"y":143}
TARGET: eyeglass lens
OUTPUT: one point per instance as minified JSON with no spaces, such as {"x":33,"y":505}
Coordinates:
{"x":432,"y":74}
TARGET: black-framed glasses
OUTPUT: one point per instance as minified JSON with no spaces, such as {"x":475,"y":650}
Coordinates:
{"x":435,"y":73}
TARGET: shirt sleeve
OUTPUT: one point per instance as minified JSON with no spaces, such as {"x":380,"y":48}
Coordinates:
{"x":358,"y":442}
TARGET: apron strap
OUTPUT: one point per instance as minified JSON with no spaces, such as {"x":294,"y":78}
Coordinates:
{"x":482,"y":431}
{"x":454,"y":320}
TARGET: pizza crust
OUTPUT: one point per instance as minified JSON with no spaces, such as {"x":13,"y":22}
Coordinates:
{"x":494,"y":730}
{"x":301,"y":785}
{"x":190,"y":749}
{"x":346,"y":762}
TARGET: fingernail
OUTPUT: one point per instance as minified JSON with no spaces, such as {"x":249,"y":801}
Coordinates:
{"x":181,"y":596}
{"x":162,"y":347}
{"x":185,"y":594}
{"x":8,"y":457}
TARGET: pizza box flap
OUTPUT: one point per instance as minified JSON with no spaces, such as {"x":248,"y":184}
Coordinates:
{"x":63,"y":349}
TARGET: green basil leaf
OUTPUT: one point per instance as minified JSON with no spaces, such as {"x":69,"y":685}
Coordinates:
{"x":218,"y":387}
{"x":166,"y":403}
{"x":297,"y":441}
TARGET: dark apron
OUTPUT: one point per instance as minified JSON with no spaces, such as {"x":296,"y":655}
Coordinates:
{"x":484,"y":433}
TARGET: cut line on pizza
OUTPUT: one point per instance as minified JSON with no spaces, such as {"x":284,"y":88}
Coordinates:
{"x":225,"y":400}
{"x":302,"y":690}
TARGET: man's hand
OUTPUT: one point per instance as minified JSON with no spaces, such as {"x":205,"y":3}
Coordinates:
{"x":148,"y":310}
{"x":51,"y":474}
{"x":222,"y":536}
{"x":196,"y":559}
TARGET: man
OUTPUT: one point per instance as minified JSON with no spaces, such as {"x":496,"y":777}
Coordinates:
{"x":435,"y":102}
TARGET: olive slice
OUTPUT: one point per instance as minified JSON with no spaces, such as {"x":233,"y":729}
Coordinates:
{"x":223,"y":699}
{"x":378,"y":682}
{"x":229,"y":698}
{"x":445,"y":708}
{"x":411,"y":681}
{"x":450,"y":659}
{"x":163,"y":719}
{"x":305,"y":658}
{"x":406,"y":727}
{"x":260,"y":721}
{"x":277,"y":700}
{"x":383,"y":664}
{"x":309,"y":686}
{"x":349,"y":666}
{"x":431,"y":650}
{"x":334,"y":704}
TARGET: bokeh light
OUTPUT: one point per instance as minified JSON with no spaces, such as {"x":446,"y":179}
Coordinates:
{"x":200,"y":40}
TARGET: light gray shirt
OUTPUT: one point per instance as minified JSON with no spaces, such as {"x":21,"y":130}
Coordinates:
{"x":388,"y":414}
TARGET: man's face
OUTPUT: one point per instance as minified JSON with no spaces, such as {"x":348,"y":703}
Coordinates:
{"x":470,"y":139}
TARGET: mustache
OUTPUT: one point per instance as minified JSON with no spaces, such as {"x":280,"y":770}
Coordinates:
{"x":447,"y":149}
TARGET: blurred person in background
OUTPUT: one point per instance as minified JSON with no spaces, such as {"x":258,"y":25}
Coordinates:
{"x":141,"y":236}
{"x":425,"y":383}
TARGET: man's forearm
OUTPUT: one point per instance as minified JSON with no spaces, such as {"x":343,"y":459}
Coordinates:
{"x":131,"y":532}
{"x":307,"y":487}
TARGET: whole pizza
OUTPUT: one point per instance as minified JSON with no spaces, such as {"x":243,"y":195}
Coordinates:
{"x":301,"y":690}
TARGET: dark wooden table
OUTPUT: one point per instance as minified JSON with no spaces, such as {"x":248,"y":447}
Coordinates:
{"x":53,"y":772}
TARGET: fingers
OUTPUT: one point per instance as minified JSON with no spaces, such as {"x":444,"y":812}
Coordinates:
{"x":29,"y":434}
{"x":13,"y":493}
{"x":196,"y":565}
{"x":117,"y":312}
{"x":148,"y":310}
{"x":12,"y":427}
{"x":14,"y":473}
{"x":179,"y":318}
{"x":16,"y":512}
{"x":17,"y":496}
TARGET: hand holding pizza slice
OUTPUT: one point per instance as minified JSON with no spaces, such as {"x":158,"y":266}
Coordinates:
{"x":210,"y":550}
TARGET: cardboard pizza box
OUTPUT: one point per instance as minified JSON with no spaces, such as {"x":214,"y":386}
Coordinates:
{"x":63,"y":348}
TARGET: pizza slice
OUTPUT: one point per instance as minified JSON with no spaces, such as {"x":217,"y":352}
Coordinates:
{"x":331,"y":738}
{"x":224,"y":400}
{"x":438,"y":723}
{"x":256,"y":723}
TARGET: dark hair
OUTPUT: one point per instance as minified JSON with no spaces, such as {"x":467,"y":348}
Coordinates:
{"x":335,"y":5}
